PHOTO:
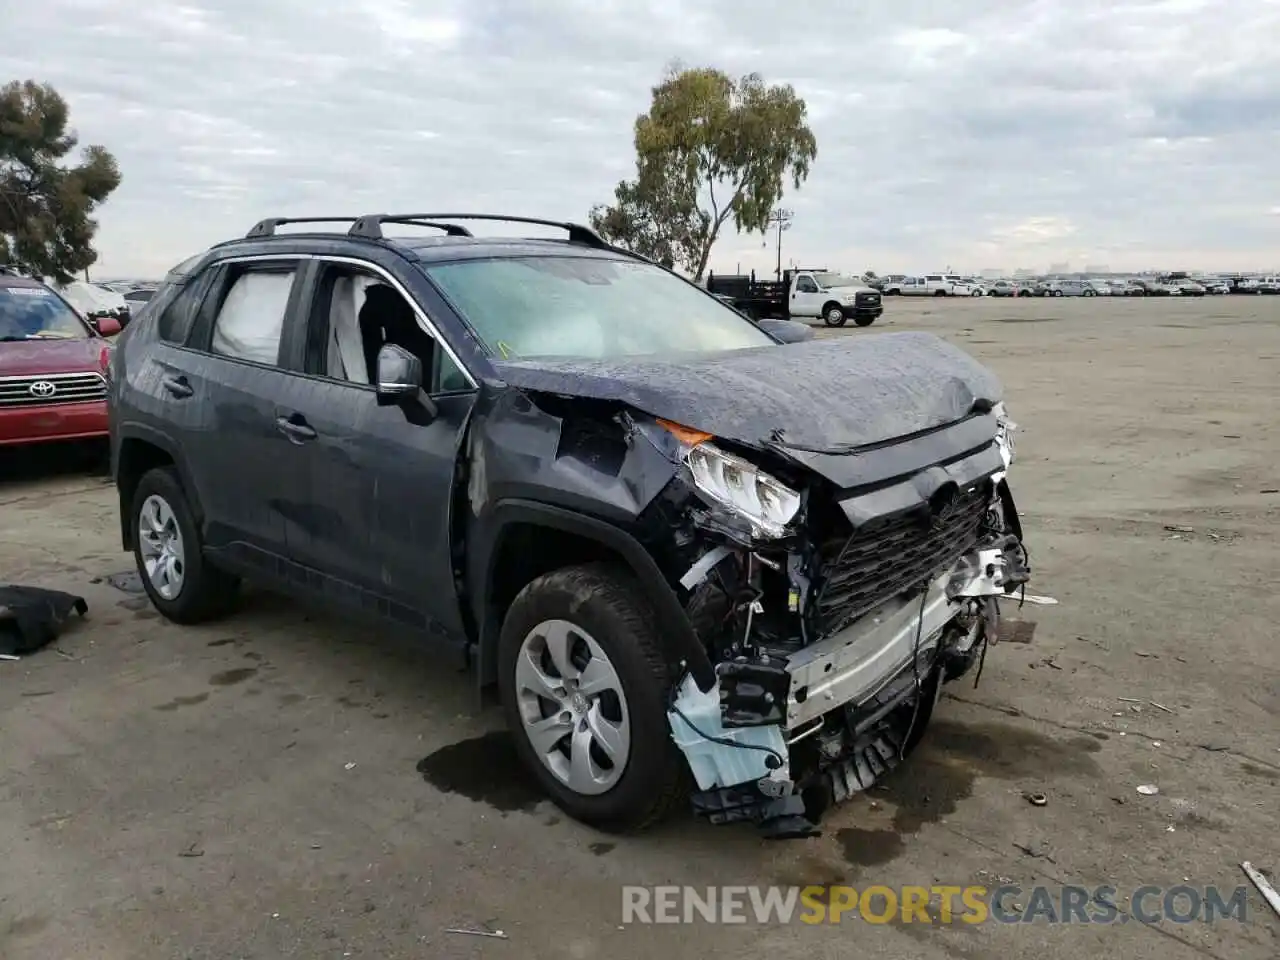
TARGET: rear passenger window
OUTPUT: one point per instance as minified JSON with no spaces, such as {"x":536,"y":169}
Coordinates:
{"x":251,"y":317}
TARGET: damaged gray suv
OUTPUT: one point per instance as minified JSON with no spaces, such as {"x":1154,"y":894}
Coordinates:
{"x":694,"y":560}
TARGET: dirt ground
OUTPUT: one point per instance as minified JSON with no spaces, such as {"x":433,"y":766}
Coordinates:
{"x":283,"y":785}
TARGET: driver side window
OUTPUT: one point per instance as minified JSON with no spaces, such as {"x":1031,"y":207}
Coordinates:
{"x":806,"y":285}
{"x":355,"y":313}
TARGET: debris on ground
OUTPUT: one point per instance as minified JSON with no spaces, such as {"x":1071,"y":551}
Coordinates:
{"x":1036,"y":799}
{"x":1258,"y":880}
{"x":1017,"y":631}
{"x":193,"y":850}
{"x":1128,"y":699}
{"x":1177,"y":528}
{"x":1148,"y":789}
{"x":127,"y":581}
{"x":1159,"y":706}
{"x":32,"y":617}
{"x":1270,"y":490}
{"x":496,"y":934}
{"x":1038,"y":851}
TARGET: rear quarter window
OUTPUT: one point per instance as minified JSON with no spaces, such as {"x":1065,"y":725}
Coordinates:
{"x":178,"y":307}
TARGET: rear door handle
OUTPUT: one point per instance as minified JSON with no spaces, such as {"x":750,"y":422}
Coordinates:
{"x":296,"y":428}
{"x":177,"y":387}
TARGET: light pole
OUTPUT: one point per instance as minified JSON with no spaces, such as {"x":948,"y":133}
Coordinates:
{"x":781,"y":219}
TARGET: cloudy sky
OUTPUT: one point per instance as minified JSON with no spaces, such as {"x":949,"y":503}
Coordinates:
{"x":983,"y":133}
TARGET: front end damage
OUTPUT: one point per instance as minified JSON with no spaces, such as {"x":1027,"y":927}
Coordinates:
{"x":832,"y":615}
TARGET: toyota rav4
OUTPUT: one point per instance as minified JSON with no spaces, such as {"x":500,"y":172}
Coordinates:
{"x":693,"y":559}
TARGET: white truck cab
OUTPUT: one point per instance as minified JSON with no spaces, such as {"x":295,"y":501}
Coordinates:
{"x":832,"y":296}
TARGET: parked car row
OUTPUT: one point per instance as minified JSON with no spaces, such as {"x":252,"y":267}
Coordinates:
{"x":945,"y":285}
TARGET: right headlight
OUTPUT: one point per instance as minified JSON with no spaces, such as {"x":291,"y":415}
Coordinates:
{"x":744,"y":488}
{"x":1004,"y":433}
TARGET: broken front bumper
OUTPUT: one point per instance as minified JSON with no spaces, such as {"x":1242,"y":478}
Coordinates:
{"x":855,"y":701}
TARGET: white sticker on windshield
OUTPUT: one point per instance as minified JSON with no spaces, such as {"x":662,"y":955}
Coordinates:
{"x":27,"y":291}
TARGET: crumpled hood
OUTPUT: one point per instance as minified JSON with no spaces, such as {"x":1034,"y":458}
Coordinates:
{"x":827,"y":395}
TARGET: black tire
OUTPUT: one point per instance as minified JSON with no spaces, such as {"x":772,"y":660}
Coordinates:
{"x":1026,"y":293}
{"x":206,"y":591}
{"x":1089,"y":293}
{"x":604,"y":600}
{"x":939,"y":293}
{"x":833,"y":314}
{"x":1056,"y":293}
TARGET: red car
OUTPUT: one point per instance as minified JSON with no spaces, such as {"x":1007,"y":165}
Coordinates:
{"x":53,"y":366}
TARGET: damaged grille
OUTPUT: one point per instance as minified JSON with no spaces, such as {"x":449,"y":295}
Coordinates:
{"x":883,"y":558}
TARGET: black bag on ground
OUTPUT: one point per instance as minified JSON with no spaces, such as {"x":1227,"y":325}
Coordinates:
{"x":31,"y":617}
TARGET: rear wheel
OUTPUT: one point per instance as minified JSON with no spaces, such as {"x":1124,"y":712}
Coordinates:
{"x":939,"y":293}
{"x":584,"y":686}
{"x":169,"y":554}
{"x":833,"y":315}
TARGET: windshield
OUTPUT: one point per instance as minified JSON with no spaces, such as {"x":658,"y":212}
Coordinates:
{"x":588,"y":307}
{"x":836,"y":280}
{"x":37,"y":313}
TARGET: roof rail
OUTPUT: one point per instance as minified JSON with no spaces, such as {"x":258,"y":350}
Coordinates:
{"x":452,"y":229}
{"x":370,"y":227}
{"x":267,"y":228}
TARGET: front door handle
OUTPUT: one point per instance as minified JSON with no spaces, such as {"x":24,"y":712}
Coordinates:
{"x":296,"y":428}
{"x":177,"y":387}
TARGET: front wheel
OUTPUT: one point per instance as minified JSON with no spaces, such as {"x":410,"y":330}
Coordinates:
{"x":584,"y":686}
{"x":833,"y":315}
{"x":180,"y":582}
{"x":864,"y":321}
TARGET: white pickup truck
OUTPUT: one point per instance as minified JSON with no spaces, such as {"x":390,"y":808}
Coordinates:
{"x":833,"y":297}
{"x":935,"y":285}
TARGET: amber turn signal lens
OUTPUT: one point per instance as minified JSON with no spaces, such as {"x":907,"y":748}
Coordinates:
{"x":684,"y":434}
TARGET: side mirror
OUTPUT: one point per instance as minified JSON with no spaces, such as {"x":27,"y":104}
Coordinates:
{"x":788,"y":331}
{"x":400,"y":379}
{"x":108,"y":326}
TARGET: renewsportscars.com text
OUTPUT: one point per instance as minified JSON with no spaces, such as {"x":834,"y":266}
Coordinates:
{"x":974,"y":904}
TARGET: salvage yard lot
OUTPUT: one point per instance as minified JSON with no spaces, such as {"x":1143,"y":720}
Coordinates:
{"x":283,"y":785}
